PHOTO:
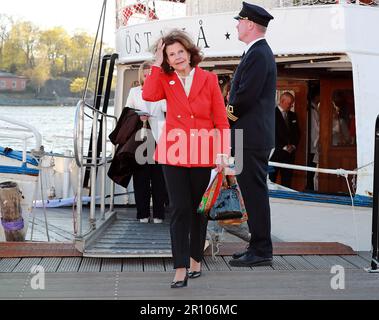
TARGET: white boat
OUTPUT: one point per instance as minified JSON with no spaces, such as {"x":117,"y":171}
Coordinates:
{"x":316,"y":44}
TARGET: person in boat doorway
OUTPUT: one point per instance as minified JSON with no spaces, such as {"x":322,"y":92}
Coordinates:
{"x":195,"y":108}
{"x":148,"y":180}
{"x":314,"y":142}
{"x":287,"y":136}
{"x":252,"y":109}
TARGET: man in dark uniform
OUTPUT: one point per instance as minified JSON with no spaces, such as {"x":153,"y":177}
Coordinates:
{"x":287,"y":136}
{"x":252,"y":109}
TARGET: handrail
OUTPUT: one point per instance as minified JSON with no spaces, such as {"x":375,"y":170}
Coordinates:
{"x":100,"y":112}
{"x":193,"y":9}
{"x":77,"y":135}
{"x":36,"y":134}
{"x":77,"y":121}
{"x":24,"y":137}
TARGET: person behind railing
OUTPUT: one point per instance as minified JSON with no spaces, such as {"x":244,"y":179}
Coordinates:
{"x":314,"y":142}
{"x":148,"y":180}
{"x":287,"y":136}
{"x":340,"y":130}
{"x":196,"y":117}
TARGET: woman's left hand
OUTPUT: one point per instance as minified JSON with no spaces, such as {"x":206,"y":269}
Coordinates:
{"x":220,"y":167}
{"x":221,"y":162}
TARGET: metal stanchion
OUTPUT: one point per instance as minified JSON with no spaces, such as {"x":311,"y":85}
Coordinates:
{"x":375,"y":207}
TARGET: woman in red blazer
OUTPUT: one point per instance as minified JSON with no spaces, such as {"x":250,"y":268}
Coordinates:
{"x":195,"y":138}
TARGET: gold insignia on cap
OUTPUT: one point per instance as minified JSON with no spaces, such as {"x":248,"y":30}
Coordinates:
{"x":229,"y":113}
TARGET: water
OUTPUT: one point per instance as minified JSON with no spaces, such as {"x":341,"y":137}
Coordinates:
{"x":51,"y":122}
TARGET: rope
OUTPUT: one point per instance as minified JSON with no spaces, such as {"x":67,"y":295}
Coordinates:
{"x":353,"y":209}
{"x":365,"y":165}
{"x":340,"y":172}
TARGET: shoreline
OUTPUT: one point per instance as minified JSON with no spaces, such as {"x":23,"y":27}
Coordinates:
{"x":64,"y":102}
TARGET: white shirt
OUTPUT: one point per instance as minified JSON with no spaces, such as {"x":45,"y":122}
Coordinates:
{"x":156,"y":109}
{"x":284,"y":113}
{"x":315,"y":128}
{"x":251,"y":44}
{"x":187,"y":83}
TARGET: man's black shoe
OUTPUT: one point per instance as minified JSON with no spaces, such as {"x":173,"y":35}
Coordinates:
{"x":250,"y":260}
{"x":239,"y":254}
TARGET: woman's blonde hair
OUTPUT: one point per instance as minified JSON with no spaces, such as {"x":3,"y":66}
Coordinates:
{"x":144,"y":66}
{"x":185,"y":40}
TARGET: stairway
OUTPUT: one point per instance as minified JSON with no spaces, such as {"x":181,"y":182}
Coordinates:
{"x":127,"y":237}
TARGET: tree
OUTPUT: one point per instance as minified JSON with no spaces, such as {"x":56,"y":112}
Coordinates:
{"x":38,"y":75}
{"x":78,"y":85}
{"x":19,"y":49}
{"x":5,"y":25}
{"x":80,"y":53}
{"x":46,"y":54}
{"x":56,"y":42}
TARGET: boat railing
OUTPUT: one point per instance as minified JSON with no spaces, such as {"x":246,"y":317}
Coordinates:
{"x":96,"y":164}
{"x":24,"y":132}
{"x":129,"y":12}
{"x":298,"y":3}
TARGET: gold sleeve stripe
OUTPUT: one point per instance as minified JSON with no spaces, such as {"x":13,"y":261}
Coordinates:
{"x":229,"y":113}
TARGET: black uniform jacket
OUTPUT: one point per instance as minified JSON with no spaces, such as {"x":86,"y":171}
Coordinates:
{"x":252,"y":98}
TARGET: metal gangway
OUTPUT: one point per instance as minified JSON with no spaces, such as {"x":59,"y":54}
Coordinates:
{"x":111,"y":232}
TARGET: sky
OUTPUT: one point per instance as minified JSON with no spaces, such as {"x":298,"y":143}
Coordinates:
{"x":69,"y":14}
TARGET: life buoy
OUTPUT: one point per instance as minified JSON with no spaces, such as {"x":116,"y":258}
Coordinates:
{"x":128,"y":11}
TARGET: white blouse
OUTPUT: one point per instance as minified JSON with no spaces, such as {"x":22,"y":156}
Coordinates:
{"x":156,"y":109}
{"x":187,"y":81}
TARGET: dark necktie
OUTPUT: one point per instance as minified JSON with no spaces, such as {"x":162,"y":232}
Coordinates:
{"x":285,"y":116}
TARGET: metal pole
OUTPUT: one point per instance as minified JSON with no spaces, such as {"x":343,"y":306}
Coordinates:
{"x":147,"y":10}
{"x":79,"y":155}
{"x":375,"y":207}
{"x":111,"y":200}
{"x":92,"y":217}
{"x":103,"y":167}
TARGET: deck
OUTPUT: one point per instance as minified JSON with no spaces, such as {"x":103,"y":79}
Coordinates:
{"x":290,"y":277}
{"x":299,"y":271}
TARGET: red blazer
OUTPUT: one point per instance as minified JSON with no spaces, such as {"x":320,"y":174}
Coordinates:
{"x":190,"y":137}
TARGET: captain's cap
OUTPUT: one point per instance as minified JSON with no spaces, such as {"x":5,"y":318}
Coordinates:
{"x":254,"y":13}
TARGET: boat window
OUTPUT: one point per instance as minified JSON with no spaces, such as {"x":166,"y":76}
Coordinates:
{"x":343,"y":111}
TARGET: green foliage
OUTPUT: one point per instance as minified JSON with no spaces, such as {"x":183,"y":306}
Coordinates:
{"x":45,"y":54}
{"x":77,"y":85}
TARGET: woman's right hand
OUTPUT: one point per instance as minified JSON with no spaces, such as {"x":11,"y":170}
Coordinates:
{"x":159,"y":53}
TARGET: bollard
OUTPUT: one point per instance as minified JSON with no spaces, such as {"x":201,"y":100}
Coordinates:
{"x":11,"y":212}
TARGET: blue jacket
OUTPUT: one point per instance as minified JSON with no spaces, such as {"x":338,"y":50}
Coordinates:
{"x":252,"y":97}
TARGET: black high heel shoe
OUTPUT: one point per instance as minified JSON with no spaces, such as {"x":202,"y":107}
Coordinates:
{"x":181,"y":283}
{"x":194,"y":274}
